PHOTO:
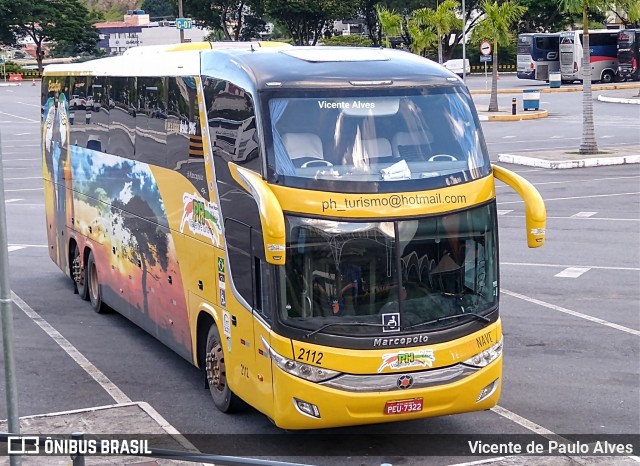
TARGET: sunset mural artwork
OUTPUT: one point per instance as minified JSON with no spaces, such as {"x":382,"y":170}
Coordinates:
{"x":114,"y":206}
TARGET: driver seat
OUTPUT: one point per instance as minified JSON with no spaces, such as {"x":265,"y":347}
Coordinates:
{"x":303,"y":146}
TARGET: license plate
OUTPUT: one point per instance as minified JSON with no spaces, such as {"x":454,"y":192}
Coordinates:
{"x":403,"y":406}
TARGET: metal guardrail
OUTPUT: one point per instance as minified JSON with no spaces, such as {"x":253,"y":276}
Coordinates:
{"x":159,"y":453}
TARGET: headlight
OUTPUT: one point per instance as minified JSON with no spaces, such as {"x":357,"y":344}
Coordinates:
{"x":485,"y":356}
{"x":304,"y":371}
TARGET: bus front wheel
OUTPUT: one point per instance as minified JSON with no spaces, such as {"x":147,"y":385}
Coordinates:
{"x":93,"y":284}
{"x":216,"y":371}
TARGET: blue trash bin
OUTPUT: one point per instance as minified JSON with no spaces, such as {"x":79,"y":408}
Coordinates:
{"x":531,"y":99}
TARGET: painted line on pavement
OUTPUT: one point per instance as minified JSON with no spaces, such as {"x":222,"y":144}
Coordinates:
{"x":15,"y":248}
{"x":19,"y":160}
{"x":30,"y":105}
{"x":8,"y":201}
{"x":19,"y":117}
{"x":112,"y":389}
{"x":575,"y":197}
{"x":502,"y":185}
{"x":584,"y":214}
{"x":29,"y":245}
{"x":572,"y":272}
{"x":25,"y":178}
{"x":24,"y":189}
{"x":146,"y":407}
{"x":566,"y":266}
{"x":573,"y":313}
{"x":585,"y":218}
{"x":504,"y":212}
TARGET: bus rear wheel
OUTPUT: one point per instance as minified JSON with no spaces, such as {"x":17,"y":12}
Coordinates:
{"x":216,"y":371}
{"x":607,"y":77}
{"x":78,"y":273}
{"x":93,"y":284}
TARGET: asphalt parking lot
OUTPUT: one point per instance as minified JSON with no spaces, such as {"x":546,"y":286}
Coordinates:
{"x":570,"y":311}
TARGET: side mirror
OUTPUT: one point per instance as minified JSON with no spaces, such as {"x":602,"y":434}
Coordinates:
{"x":535,"y":210}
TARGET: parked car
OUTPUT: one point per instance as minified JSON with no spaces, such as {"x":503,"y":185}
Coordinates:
{"x":77,"y":102}
{"x":92,"y":104}
{"x":455,"y":66}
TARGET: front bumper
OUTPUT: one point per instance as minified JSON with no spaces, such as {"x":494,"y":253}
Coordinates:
{"x":447,"y":391}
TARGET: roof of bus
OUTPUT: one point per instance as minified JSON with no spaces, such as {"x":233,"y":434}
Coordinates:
{"x":313,"y":67}
{"x":269,"y":67}
{"x":145,"y":61}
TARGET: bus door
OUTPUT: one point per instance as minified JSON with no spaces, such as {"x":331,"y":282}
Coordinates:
{"x":237,"y":328}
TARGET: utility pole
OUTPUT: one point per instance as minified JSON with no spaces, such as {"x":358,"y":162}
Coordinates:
{"x":181,"y":15}
{"x":464,"y":42}
{"x":6,"y":316}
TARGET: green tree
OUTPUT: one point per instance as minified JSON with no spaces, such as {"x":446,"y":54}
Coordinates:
{"x":422,"y":34}
{"x":348,"y":41}
{"x":470,"y":18}
{"x":390,"y":23}
{"x":628,"y":11}
{"x":160,"y":8}
{"x":496,"y":26}
{"x":307,"y":19}
{"x":442,"y":21}
{"x":545,"y":16}
{"x":66,"y":21}
{"x":588,"y":144}
{"x":226,"y":16}
{"x":368,"y":11}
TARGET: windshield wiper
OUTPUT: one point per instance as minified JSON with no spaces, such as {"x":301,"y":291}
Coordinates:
{"x":454,"y":316}
{"x":348,"y":324}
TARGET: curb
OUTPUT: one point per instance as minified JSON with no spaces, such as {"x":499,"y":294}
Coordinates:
{"x":563,"y":164}
{"x":603,"y":98}
{"x":517,"y":117}
{"x":594,"y":87}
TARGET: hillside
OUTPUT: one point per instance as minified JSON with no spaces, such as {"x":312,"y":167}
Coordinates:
{"x":113,"y":9}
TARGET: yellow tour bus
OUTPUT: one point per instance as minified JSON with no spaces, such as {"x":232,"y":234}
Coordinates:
{"x":313,"y":227}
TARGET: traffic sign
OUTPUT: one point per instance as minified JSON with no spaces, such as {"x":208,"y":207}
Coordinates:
{"x":184,"y":23}
{"x":485,"y":58}
{"x":485,"y":48}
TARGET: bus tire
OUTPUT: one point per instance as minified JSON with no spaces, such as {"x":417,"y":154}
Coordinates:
{"x":224,"y":399}
{"x":93,"y":284}
{"x":607,"y":77}
{"x":78,"y":274}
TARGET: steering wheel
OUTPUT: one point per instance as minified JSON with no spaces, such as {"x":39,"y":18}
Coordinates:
{"x":441,"y":157}
{"x":318,"y":162}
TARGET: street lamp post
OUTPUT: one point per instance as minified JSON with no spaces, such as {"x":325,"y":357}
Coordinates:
{"x":180,"y":15}
{"x":464,"y":41}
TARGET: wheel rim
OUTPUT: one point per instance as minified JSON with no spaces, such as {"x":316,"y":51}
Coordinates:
{"x":216,"y":372}
{"x":93,"y":282}
{"x":78,"y":272}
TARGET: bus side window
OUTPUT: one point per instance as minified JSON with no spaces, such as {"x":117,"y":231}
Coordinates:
{"x":238,"y":237}
{"x":262,"y":276}
{"x":78,"y":111}
{"x":151,"y":135}
{"x":98,"y":126}
{"x":232,"y":124}
{"x":122,"y":123}
{"x":185,"y":153}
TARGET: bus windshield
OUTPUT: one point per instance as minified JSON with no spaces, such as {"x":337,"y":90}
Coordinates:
{"x":388,"y":276}
{"x":367,"y":137}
